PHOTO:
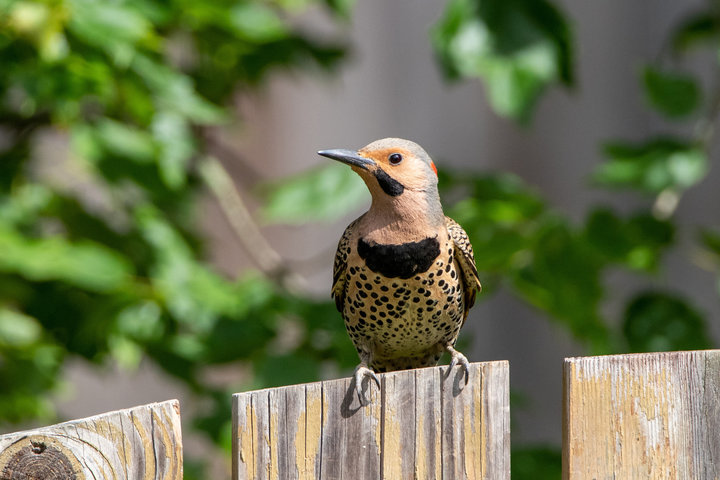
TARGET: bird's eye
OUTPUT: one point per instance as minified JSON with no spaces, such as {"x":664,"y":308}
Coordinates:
{"x":395,"y":158}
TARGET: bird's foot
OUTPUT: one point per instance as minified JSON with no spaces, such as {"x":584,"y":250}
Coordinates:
{"x":458,"y":358}
{"x":362,"y":371}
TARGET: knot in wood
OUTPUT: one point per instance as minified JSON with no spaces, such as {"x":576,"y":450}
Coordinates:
{"x":37,"y":458}
{"x":38,"y":447}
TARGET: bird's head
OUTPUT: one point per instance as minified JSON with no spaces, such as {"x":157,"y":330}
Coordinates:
{"x":392,"y":167}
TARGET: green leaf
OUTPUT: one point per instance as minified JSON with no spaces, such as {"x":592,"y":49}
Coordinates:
{"x":638,"y":241}
{"x":652,"y":166}
{"x":536,"y":463}
{"x":40,"y":22}
{"x":26,"y":17}
{"x":562,"y":277}
{"x":126,"y":352}
{"x":322,"y":194}
{"x":699,"y":28}
{"x":175,"y":140}
{"x":517,"y":47}
{"x":257,"y":22}
{"x":501,"y":214}
{"x":711,"y":239}
{"x":17,"y":329}
{"x":193,"y":293}
{"x":27,"y":374}
{"x":176,"y":92}
{"x":24,"y":205}
{"x":141,"y":321}
{"x":114,"y":27}
{"x":123,"y":140}
{"x":84,"y":264}
{"x":659,"y":321}
{"x":249,"y":335}
{"x":286,"y":369}
{"x":341,"y":7}
{"x":85,"y":142}
{"x":674,"y":94}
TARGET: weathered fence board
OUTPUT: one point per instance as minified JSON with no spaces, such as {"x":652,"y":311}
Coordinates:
{"x":643,"y":416}
{"x":140,"y":443}
{"x":422,"y":424}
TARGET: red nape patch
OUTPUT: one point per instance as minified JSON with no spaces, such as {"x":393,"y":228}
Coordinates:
{"x":433,"y":167}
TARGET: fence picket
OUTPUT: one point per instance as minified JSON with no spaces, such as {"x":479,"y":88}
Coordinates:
{"x":134,"y":444}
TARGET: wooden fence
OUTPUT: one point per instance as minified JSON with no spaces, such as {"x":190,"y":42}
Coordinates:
{"x":138,"y":443}
{"x":644,"y":416}
{"x":421,"y":424}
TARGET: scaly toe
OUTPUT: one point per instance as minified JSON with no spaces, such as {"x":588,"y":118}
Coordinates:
{"x":466,"y":367}
{"x":362,"y":371}
{"x":459,"y":358}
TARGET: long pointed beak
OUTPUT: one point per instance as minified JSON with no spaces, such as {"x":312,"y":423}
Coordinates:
{"x":349,"y":157}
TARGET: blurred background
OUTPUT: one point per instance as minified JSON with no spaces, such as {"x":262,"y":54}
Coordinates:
{"x":167,"y":230}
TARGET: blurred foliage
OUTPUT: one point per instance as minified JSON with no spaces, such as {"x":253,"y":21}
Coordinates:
{"x":104,"y":115}
{"x":103,"y":109}
{"x":304,"y":197}
{"x":538,"y":463}
{"x":658,"y":321}
{"x":518,"y":48}
{"x":673,"y":94}
{"x":660,"y":164}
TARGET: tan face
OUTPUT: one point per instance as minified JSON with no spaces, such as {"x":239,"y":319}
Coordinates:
{"x":390,"y":167}
{"x":403,"y":181}
{"x":401,"y":164}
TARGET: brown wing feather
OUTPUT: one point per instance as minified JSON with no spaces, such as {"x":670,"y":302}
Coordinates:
{"x":340,"y":267}
{"x":466,"y":260}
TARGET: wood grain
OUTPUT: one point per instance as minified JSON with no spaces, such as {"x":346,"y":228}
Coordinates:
{"x":642,"y":416}
{"x":140,"y":443}
{"x":421,"y":424}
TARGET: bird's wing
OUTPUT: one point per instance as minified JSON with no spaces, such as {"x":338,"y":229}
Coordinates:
{"x":340,"y":267}
{"x":466,"y":260}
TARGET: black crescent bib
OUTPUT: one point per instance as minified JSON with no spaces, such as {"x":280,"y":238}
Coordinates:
{"x":399,"y":261}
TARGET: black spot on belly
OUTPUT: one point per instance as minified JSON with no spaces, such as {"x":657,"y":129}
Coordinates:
{"x":405,"y":260}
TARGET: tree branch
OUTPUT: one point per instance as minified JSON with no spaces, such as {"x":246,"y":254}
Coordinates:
{"x":246,"y":229}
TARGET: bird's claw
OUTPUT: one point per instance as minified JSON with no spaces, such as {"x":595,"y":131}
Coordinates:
{"x":362,"y":371}
{"x":459,"y":358}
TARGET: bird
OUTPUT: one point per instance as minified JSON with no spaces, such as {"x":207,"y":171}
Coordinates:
{"x":404,"y":274}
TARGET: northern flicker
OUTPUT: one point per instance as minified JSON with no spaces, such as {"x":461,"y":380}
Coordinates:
{"x":404,"y":275}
